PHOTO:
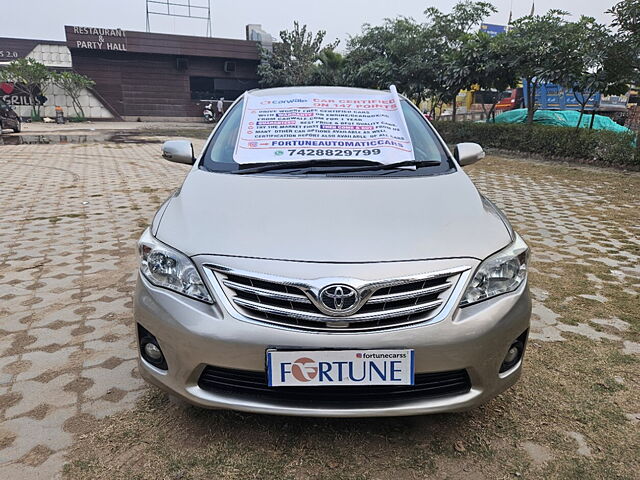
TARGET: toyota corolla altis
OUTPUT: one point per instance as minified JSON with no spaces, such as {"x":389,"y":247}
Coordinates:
{"x":327,"y":256}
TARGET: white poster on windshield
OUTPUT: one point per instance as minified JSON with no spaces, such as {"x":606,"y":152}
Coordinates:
{"x":314,"y":126}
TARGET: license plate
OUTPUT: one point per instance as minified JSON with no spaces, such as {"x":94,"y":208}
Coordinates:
{"x":339,"y":367}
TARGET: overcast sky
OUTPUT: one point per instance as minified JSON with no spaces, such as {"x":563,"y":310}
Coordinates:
{"x":45,"y":19}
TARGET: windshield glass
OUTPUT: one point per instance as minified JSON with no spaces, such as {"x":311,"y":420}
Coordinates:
{"x":428,"y":151}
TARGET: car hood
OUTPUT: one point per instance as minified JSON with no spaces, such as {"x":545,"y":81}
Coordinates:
{"x":337,"y":219}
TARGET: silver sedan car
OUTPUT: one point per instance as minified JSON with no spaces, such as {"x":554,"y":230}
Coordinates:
{"x":332,"y":287}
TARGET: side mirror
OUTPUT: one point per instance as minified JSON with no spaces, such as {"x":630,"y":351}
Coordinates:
{"x":178,"y":151}
{"x":468,"y":153}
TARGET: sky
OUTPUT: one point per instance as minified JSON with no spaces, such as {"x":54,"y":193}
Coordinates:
{"x":45,"y":19}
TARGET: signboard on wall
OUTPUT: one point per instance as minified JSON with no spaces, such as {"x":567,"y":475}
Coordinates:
{"x":93,"y":38}
{"x":8,"y":55}
{"x":16,"y":95}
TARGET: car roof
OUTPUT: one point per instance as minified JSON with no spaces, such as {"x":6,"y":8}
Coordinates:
{"x":316,"y":89}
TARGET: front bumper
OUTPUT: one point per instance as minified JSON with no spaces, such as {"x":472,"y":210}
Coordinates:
{"x":193,"y":335}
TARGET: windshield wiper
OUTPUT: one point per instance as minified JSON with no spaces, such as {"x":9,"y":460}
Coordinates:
{"x":334,"y":166}
{"x":408,"y":165}
{"x":270,"y":166}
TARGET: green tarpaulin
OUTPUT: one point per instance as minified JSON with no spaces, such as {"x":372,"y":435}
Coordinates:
{"x":561,"y":118}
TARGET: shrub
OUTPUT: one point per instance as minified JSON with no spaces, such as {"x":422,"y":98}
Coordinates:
{"x":601,"y":146}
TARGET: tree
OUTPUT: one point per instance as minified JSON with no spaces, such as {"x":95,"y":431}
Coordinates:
{"x":485,"y":55}
{"x":29,"y":78}
{"x":539,"y":48}
{"x":330,"y":70}
{"x":293,"y":59}
{"x":392,"y":53}
{"x":448,"y":33}
{"x":594,"y":66}
{"x":626,"y":18}
{"x":421,"y":59}
{"x":73,"y":84}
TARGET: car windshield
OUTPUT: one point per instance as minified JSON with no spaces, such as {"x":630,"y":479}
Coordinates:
{"x":430,"y":156}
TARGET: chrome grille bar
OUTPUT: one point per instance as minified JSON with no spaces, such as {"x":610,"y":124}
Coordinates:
{"x":287,"y":297}
{"x":359,"y":317}
{"x":394,"y":297}
{"x":295,"y":303}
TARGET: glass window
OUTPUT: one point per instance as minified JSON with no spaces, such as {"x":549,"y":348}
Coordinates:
{"x":218,"y":156}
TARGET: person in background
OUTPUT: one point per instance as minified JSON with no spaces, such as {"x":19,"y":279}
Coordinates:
{"x":220,"y":108}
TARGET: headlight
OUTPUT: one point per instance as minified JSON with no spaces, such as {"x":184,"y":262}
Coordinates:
{"x":165,"y":267}
{"x":498,"y":274}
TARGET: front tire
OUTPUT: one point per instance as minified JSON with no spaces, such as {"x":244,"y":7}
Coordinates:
{"x":18,"y":127}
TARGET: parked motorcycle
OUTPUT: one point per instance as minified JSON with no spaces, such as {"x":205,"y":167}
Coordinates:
{"x":208,"y":113}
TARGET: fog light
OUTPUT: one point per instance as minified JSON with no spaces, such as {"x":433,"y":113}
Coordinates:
{"x":513,"y":356}
{"x":153,"y":352}
{"x":150,"y":348}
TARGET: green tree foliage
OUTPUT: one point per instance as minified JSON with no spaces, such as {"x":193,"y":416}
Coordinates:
{"x":422,"y":59}
{"x":330,"y":68}
{"x":29,"y":78}
{"x":393,"y":53}
{"x":539,"y":48}
{"x":485,"y":57}
{"x":444,"y":53}
{"x":73,"y":84}
{"x":449,"y":34}
{"x":594,"y":65}
{"x":626,"y":18}
{"x":293,"y":59}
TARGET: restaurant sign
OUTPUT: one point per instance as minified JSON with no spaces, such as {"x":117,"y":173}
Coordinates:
{"x":92,"y":38}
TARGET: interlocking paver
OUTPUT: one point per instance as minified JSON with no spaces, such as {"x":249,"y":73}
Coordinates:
{"x":69,"y":217}
{"x":570,"y":223}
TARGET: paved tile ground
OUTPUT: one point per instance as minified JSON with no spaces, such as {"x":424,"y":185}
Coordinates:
{"x":573,"y":221}
{"x":69,"y":218}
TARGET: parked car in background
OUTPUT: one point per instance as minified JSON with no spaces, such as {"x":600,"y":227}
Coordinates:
{"x":331,"y":286}
{"x":9,"y":119}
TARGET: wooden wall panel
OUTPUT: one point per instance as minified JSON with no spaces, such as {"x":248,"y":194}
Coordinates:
{"x":136,"y":84}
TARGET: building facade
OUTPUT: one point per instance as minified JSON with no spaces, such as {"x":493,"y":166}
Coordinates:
{"x":140,"y":76}
{"x":56,"y":56}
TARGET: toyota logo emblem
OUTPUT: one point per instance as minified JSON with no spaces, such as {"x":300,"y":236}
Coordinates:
{"x":339,"y":299}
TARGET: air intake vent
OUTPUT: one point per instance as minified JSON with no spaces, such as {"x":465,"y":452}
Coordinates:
{"x":254,"y":385}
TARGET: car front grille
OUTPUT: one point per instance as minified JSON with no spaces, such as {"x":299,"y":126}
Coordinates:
{"x":254,"y":385}
{"x":387,"y":304}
